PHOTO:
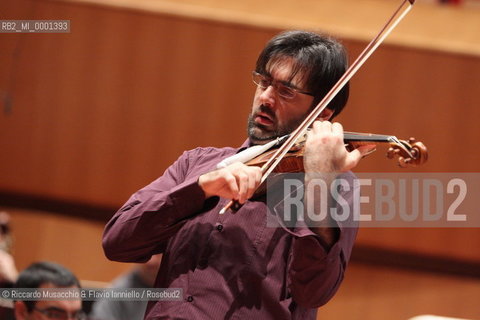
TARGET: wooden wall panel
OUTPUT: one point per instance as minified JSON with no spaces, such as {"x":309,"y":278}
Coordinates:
{"x":388,"y":293}
{"x":94,"y":112}
{"x":425,"y":94}
{"x":102,"y":111}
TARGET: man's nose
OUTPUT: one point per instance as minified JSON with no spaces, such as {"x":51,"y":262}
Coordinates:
{"x":268,"y":96}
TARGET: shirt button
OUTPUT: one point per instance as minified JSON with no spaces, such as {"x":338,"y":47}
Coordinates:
{"x":189,"y":298}
{"x":220,"y":227}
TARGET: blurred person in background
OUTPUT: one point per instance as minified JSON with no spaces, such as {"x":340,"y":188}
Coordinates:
{"x":47,"y":275}
{"x":142,"y":276}
{"x":8,"y":270}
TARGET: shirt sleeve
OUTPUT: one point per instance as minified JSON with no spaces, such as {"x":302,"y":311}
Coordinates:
{"x":152,"y":215}
{"x":315,"y":272}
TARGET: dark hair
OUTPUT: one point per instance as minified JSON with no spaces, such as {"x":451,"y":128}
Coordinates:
{"x":321,"y":60}
{"x":40,"y":273}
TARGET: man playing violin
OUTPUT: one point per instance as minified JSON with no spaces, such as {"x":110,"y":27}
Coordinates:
{"x":233,"y":265}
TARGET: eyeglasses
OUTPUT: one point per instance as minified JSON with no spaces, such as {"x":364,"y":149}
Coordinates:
{"x":283,"y":88}
{"x":60,"y":314}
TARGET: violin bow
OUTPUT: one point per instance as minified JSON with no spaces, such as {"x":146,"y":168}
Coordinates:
{"x":394,"y":20}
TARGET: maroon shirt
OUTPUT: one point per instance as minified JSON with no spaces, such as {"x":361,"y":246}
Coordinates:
{"x":230,"y":266}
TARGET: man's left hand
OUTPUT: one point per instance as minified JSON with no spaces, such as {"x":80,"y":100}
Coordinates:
{"x":325,"y":150}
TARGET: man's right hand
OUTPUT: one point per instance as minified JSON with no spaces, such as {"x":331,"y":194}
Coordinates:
{"x":236,"y":181}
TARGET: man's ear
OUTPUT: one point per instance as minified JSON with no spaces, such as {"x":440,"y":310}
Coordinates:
{"x":20,"y":310}
{"x":325,"y":115}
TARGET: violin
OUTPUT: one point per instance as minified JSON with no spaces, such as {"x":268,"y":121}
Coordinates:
{"x":409,"y":153}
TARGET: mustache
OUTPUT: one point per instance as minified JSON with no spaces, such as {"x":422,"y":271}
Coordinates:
{"x":269,"y":112}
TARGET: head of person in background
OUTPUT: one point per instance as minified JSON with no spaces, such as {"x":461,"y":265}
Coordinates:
{"x":46,"y":275}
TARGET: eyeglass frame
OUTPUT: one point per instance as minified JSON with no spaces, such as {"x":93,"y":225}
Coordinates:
{"x":276,"y":85}
{"x":77,"y":315}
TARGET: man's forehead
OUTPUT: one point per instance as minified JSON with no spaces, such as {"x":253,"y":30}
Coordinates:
{"x":286,"y":69}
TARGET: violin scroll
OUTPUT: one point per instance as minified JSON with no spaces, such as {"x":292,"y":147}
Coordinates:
{"x":412,"y":153}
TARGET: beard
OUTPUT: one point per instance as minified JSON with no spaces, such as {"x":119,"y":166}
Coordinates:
{"x":260,"y":134}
